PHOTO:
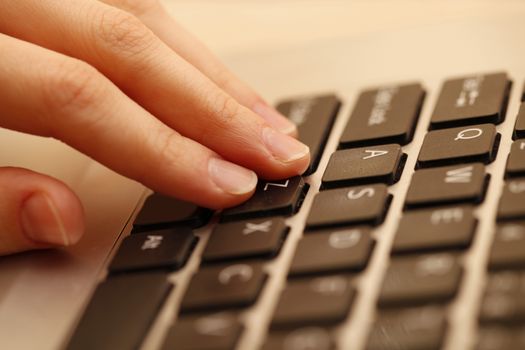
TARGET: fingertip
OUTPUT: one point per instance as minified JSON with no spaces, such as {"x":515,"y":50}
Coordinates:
{"x":235,"y":182}
{"x":273,"y":117}
{"x":52,"y":216}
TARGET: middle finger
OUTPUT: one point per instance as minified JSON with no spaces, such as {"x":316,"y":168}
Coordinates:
{"x":122,"y":48}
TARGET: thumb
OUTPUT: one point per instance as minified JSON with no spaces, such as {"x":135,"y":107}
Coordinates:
{"x":36,"y":211}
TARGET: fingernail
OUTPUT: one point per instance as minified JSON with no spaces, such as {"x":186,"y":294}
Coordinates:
{"x":275,"y":119}
{"x":230,"y":177}
{"x":283,"y":147}
{"x":41,"y":221}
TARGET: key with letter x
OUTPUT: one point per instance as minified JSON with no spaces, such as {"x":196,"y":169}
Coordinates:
{"x":245,"y":239}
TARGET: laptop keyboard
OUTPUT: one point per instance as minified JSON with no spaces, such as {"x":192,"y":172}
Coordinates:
{"x":328,"y":255}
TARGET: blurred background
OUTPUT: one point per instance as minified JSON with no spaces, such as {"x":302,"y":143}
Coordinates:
{"x":237,"y":27}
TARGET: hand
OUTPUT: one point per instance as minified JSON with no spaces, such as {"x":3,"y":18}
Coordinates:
{"x":120,"y":81}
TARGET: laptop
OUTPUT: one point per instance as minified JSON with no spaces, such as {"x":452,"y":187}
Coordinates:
{"x":407,"y":232}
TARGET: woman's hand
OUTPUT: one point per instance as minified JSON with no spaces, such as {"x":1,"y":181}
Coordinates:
{"x":120,"y":81}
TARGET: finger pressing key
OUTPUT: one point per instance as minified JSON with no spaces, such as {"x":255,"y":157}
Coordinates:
{"x":73,"y":102}
{"x":121,"y":47}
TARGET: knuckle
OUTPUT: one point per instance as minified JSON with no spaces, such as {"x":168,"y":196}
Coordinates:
{"x":224,"y":110}
{"x":227,"y":109}
{"x":70,"y":85}
{"x":122,"y":31}
{"x":223,"y":78}
{"x":169,"y":146}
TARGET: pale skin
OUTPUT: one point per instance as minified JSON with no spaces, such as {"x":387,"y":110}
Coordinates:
{"x":120,"y":80}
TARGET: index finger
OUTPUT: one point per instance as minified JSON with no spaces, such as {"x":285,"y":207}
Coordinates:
{"x":126,"y":51}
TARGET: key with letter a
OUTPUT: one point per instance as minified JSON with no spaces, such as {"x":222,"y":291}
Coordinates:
{"x":385,"y":115}
{"x":364,"y":165}
{"x":476,"y":143}
{"x":446,"y":185}
{"x":472,"y":100}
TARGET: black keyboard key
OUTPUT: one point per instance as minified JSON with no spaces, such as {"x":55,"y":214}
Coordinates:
{"x":519,"y":128}
{"x":447,"y":185}
{"x":477,"y":143}
{"x":306,"y":338}
{"x":164,"y":249}
{"x":512,"y":201}
{"x":321,"y":300}
{"x":421,"y":328}
{"x":501,"y":338}
{"x":385,"y":115}
{"x":351,"y":205}
{"x":508,"y":247}
{"x":346,"y":249}
{"x":120,"y":312}
{"x":503,"y":300}
{"x":219,"y":331}
{"x":314,"y":118}
{"x":161,"y":211}
{"x":420,"y":279}
{"x":222,"y":287}
{"x":516,"y":160}
{"x":364,"y":165}
{"x":435,"y":229}
{"x":271,"y":198}
{"x":472,"y":100}
{"x":245,"y":239}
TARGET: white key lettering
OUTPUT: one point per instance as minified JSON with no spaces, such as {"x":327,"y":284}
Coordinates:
{"x":311,"y":338}
{"x":151,"y":242}
{"x":262,"y":227}
{"x":434,"y":265}
{"x":470,"y":91}
{"x":244,"y":272}
{"x":446,"y":216}
{"x":517,"y":187}
{"x":460,"y":175}
{"x":468,"y":134}
{"x":368,"y":191}
{"x":300,"y":110}
{"x":511,"y":233}
{"x":329,"y":285}
{"x":268,"y":184}
{"x":214,"y":325}
{"x":382,"y":102}
{"x":374,"y":153}
{"x":344,"y":239}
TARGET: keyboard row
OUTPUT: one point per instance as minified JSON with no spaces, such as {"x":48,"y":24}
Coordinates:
{"x":425,"y":271}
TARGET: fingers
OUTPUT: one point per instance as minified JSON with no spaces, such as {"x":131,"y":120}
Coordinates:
{"x":49,"y":94}
{"x":127,"y":52}
{"x":192,"y":50}
{"x":36,"y":211}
